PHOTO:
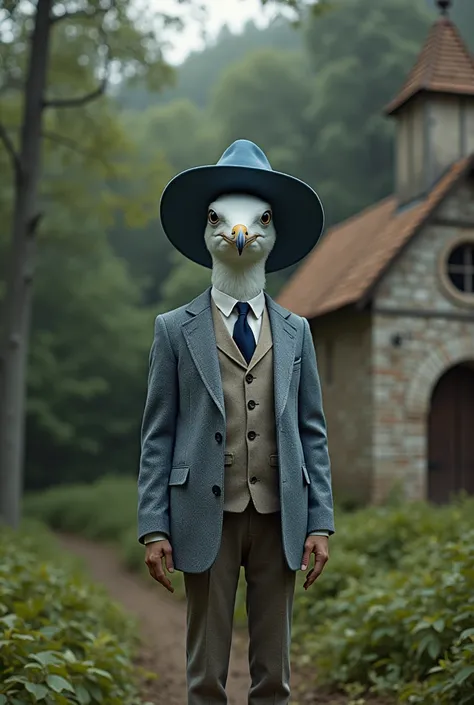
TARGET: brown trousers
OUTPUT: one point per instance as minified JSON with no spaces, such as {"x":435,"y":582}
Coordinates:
{"x":254,"y":541}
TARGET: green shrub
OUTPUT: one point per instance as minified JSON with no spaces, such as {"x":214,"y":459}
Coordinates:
{"x":395,"y":626}
{"x":62,"y":640}
{"x":385,"y":534}
{"x":376,"y":619}
{"x":101,"y":511}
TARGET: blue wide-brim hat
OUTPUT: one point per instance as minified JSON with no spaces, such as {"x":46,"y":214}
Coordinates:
{"x":243,"y":168}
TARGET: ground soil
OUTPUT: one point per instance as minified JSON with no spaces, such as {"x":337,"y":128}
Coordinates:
{"x":162,"y":618}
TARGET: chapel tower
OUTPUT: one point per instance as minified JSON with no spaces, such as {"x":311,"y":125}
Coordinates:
{"x":434,"y":110}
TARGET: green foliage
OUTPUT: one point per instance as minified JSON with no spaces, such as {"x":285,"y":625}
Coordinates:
{"x":185,"y":282}
{"x":451,"y":681}
{"x":90,"y":335}
{"x":100,"y":511}
{"x":88,"y":364}
{"x":176,"y":130}
{"x":360,"y":54}
{"x":311,"y":96}
{"x":392,"y":612}
{"x":61,"y":638}
{"x":197,"y":75}
{"x":393,"y":627}
{"x":395,"y":599}
{"x":264,"y":97}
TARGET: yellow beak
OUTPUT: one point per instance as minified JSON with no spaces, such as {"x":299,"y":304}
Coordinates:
{"x":240,"y":235}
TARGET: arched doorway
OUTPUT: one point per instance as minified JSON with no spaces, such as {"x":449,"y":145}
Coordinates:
{"x":451,"y":435}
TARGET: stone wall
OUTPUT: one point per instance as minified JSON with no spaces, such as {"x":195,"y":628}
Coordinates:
{"x":343,"y":350}
{"x":404,"y":378}
{"x":419,"y":332}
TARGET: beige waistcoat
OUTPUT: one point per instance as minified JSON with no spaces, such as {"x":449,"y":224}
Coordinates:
{"x":251,"y":462}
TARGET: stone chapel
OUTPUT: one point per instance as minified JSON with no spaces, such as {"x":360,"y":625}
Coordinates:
{"x":389,"y":295}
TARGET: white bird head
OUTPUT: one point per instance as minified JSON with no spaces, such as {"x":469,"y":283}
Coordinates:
{"x":239,"y":236}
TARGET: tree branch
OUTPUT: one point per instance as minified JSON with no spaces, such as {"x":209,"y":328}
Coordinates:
{"x":10,"y":148}
{"x":88,"y":97}
{"x":77,"y":102}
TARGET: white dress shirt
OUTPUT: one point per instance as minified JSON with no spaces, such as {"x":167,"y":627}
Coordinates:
{"x":227,"y":306}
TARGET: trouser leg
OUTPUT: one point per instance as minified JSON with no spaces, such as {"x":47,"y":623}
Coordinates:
{"x":270,"y":591}
{"x":210,"y":611}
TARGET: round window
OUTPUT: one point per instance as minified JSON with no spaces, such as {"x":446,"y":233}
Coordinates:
{"x":460,"y":268}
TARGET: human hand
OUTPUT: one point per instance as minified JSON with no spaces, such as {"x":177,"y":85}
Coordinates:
{"x":155,"y":552}
{"x":319,"y":545}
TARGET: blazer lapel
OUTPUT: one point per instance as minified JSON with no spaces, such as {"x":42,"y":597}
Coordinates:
{"x":284,"y":342}
{"x":224,"y":341}
{"x":201,"y":341}
{"x":264,"y":342}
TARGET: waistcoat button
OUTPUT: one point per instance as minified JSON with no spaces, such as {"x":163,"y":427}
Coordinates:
{"x":253,"y":480}
{"x":251,"y":405}
{"x":249,"y":378}
{"x":251,"y":435}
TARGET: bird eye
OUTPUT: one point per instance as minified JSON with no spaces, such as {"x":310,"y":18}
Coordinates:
{"x":212,"y":217}
{"x":266,"y":218}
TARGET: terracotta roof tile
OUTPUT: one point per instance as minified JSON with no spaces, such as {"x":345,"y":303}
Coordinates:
{"x":351,"y":257}
{"x":444,"y":65}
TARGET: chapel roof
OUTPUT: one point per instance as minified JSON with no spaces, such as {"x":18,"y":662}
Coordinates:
{"x":444,"y":65}
{"x":352,"y":256}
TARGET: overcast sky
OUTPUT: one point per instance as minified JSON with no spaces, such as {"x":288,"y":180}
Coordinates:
{"x":234,"y":13}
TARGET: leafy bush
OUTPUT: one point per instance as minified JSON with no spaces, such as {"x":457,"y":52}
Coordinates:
{"x":62,"y":640}
{"x":409,"y":626}
{"x":394,"y":602}
{"x":102,"y":510}
{"x":451,"y":681}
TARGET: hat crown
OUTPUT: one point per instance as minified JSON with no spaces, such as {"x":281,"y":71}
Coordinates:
{"x":246,"y":170}
{"x":244,"y":153}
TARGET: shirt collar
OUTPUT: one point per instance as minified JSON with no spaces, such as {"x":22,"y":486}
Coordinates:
{"x":226,"y":303}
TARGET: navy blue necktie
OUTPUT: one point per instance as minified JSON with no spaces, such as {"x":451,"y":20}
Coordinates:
{"x":243,"y":335}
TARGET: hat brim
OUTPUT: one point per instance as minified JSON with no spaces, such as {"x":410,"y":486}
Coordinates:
{"x":298,"y":214}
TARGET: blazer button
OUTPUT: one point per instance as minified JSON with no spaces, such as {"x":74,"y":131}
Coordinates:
{"x":216,"y":490}
{"x":251,"y":405}
{"x":218,"y":437}
{"x":253,"y":480}
{"x":251,"y":435}
{"x":249,"y":378}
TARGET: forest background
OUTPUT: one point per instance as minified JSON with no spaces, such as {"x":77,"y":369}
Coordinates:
{"x":311,"y":96}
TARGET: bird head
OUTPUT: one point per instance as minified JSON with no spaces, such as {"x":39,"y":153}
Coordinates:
{"x":240,"y":232}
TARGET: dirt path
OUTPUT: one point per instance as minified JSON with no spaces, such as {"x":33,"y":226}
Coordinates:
{"x":163,"y":626}
{"x":163,"y":620}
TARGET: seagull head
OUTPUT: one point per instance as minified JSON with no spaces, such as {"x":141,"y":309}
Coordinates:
{"x":240,"y":232}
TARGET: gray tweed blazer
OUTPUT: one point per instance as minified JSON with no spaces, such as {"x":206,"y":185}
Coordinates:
{"x":181,"y":476}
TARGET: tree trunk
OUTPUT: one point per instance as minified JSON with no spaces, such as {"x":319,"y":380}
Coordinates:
{"x":18,"y":298}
